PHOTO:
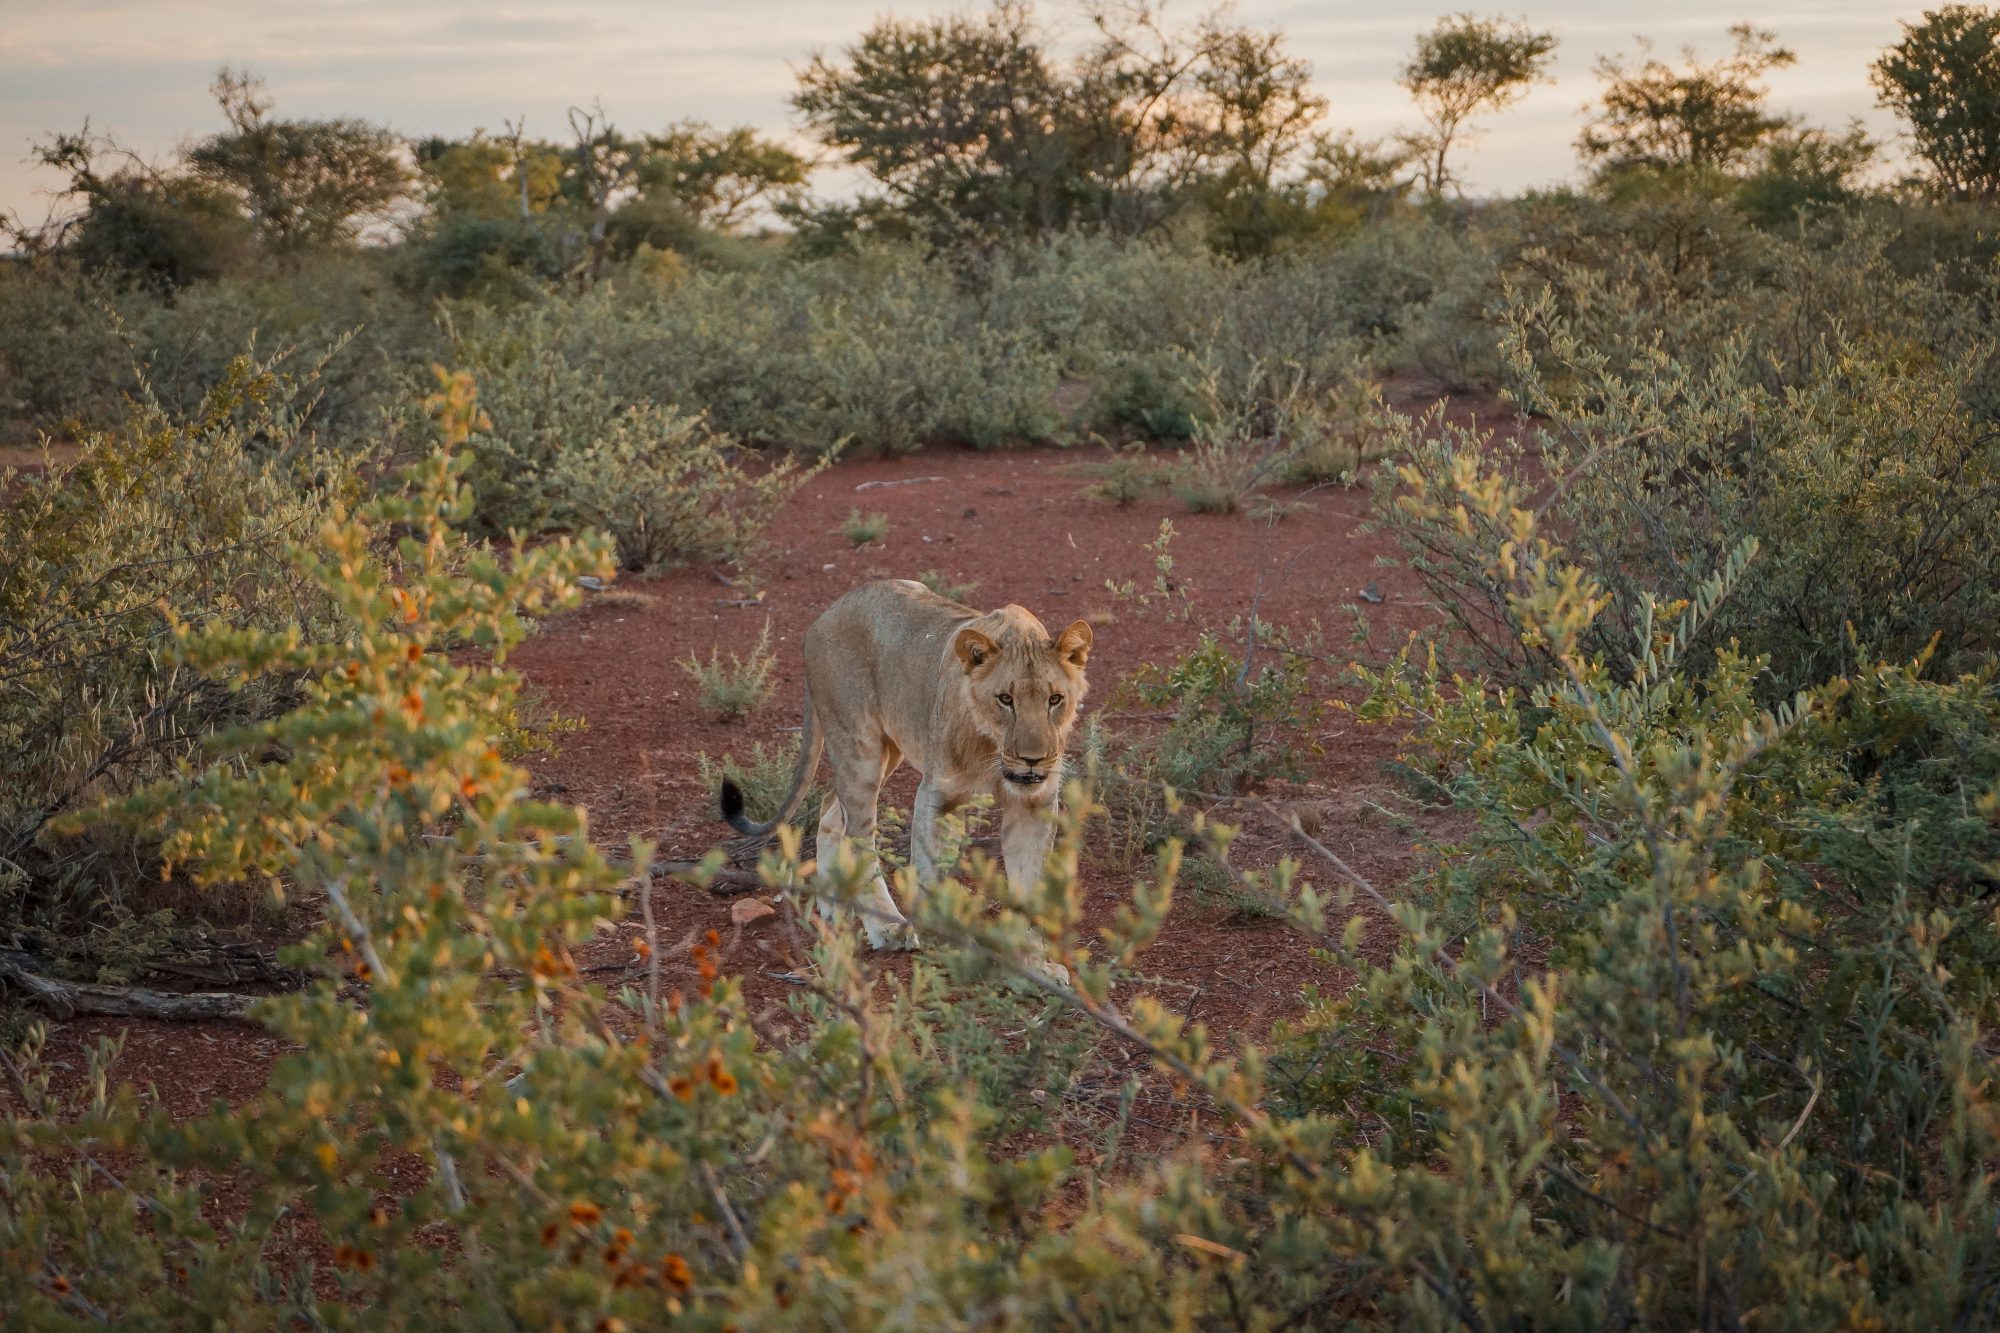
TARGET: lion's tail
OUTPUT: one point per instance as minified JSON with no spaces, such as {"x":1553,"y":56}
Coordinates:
{"x":811,"y":742}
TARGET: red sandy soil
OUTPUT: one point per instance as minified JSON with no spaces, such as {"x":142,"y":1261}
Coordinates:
{"x":1014,"y":523}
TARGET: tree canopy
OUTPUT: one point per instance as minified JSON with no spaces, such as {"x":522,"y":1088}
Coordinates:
{"x":1461,"y":67}
{"x":975,"y":122}
{"x":1655,"y":116}
{"x":304,"y":183}
{"x":1943,"y":79}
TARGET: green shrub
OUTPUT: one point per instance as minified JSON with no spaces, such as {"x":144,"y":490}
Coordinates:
{"x":764,"y":778}
{"x":72,"y":350}
{"x":1863,"y":476}
{"x":733,"y":690}
{"x":167,"y":520}
{"x":944,"y":587}
{"x":669,"y":490}
{"x":1124,"y":478}
{"x":861,"y":529}
{"x":1234,"y":721}
{"x":1739,"y":1076}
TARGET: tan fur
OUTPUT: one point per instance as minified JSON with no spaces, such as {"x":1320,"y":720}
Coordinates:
{"x":896,"y":673}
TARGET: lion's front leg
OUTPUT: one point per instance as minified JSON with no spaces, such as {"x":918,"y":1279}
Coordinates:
{"x":857,"y":781}
{"x":1027,"y":832}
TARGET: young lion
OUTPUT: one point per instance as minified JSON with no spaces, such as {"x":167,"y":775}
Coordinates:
{"x":976,"y":703}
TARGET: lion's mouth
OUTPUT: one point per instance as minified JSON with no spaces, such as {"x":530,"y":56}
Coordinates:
{"x":1024,"y":777}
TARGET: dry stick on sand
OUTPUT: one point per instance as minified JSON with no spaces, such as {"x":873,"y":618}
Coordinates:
{"x":67,"y":999}
{"x":900,"y":481}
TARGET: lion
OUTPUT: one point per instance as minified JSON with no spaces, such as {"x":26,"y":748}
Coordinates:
{"x":976,"y":703}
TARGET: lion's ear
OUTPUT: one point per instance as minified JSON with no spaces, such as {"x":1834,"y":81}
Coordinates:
{"x":974,"y":648}
{"x":1073,"y":644}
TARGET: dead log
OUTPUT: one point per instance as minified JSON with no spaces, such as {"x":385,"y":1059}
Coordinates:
{"x":68,"y":999}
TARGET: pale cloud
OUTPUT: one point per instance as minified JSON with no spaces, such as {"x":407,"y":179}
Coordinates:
{"x":139,"y":69}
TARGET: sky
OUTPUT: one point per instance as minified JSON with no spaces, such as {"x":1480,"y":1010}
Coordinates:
{"x":139,"y":69}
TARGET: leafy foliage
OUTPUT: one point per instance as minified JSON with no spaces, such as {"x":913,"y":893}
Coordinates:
{"x":167,"y":520}
{"x":734,"y":689}
{"x":1462,"y":66}
{"x":1233,"y":721}
{"x":1662,"y":464}
{"x":1943,"y":78}
{"x":303,"y":183}
{"x":974,"y":125}
{"x":669,"y":490}
{"x":1702,"y":118}
{"x":862,"y":529}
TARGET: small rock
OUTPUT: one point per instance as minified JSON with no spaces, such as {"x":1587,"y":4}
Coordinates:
{"x":1372,"y":593}
{"x":745,"y":911}
{"x":970,"y":512}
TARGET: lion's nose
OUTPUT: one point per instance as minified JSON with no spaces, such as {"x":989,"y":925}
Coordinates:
{"x":1035,"y":762}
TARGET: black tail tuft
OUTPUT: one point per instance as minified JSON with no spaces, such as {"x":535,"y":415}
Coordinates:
{"x":732,"y":807}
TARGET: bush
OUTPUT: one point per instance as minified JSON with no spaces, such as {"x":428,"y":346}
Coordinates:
{"x":669,"y":490}
{"x":1664,"y":469}
{"x":1740,"y":1075}
{"x":944,"y":587}
{"x":167,"y":521}
{"x":74,"y":350}
{"x":763,"y":778}
{"x":1234,"y":722}
{"x":862,"y":529}
{"x":732,"y":691}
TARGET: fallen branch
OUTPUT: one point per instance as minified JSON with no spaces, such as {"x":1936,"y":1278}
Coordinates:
{"x":67,"y":999}
{"x":724,"y":882}
{"x":900,"y":481}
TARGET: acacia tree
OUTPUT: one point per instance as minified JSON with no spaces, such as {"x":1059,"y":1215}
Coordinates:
{"x":1462,"y":67}
{"x":304,"y":183}
{"x":1943,"y":78}
{"x":720,"y":177}
{"x":971,"y":122}
{"x":955,"y":118}
{"x":1703,"y":117}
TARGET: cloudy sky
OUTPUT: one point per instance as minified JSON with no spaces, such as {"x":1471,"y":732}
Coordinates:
{"x":139,"y":69}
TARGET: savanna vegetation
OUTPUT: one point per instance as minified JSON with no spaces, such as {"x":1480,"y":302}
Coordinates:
{"x":1690,"y":1025}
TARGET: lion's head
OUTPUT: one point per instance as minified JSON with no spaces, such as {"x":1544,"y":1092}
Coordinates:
{"x":1021,"y":689}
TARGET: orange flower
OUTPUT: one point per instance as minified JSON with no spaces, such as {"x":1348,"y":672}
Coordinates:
{"x":584,"y":1213}
{"x":348,"y":1256}
{"x":674,"y":1271}
{"x":550,"y":1234}
{"x":60,"y":1284}
{"x":468,"y":787}
{"x":681,"y":1088}
{"x":413,"y":650}
{"x":413,"y":704}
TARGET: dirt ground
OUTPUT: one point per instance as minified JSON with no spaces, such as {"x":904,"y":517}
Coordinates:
{"x":1014,"y":524}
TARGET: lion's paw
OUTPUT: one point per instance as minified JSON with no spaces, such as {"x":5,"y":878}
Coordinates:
{"x":1055,"y":972}
{"x":884,"y":935}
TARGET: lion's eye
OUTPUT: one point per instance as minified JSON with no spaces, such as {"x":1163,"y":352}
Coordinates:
{"x":1006,"y":701}
{"x":1055,"y":701}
